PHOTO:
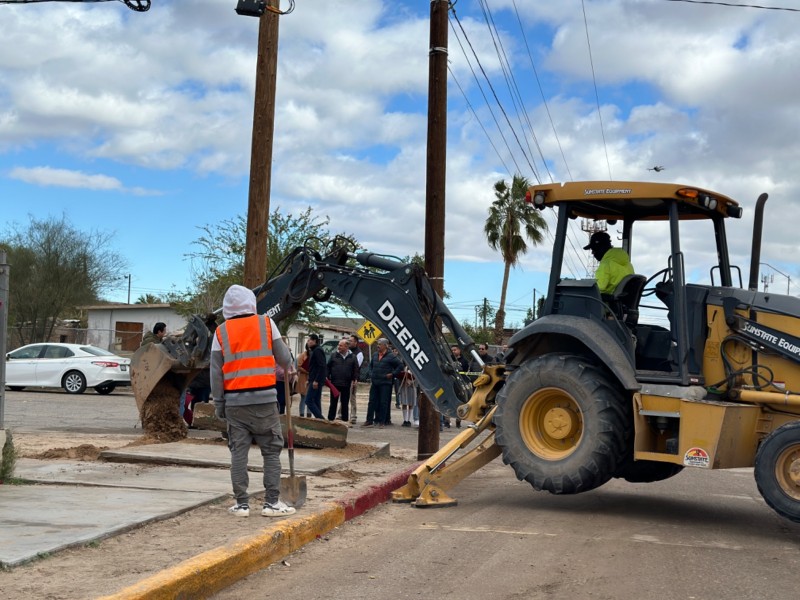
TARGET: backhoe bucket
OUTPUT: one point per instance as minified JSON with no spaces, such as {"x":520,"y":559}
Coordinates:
{"x":160,"y":374}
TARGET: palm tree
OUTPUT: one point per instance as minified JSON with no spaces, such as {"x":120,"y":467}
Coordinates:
{"x":510,"y":223}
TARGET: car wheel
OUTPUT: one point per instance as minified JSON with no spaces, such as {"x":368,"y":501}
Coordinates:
{"x":105,"y":389}
{"x":74,"y":382}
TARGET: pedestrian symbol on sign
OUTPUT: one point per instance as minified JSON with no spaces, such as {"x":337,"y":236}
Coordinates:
{"x":368,"y":332}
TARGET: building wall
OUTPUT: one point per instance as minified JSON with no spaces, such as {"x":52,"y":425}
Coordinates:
{"x":104,"y":330}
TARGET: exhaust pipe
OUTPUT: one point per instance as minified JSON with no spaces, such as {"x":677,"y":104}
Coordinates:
{"x":755,"y":252}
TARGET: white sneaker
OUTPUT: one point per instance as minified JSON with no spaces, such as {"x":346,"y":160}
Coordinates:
{"x":240,"y":510}
{"x":416,"y":423}
{"x":278,"y":509}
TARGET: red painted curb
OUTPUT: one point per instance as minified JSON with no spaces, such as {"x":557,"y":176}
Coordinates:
{"x":357,"y":503}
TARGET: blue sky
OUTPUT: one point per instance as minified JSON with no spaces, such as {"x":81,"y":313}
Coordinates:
{"x":140,"y":123}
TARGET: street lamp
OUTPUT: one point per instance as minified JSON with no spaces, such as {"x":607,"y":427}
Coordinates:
{"x":788,"y":279}
{"x":128,"y":277}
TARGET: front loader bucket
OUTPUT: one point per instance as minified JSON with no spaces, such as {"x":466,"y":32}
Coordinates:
{"x":160,"y":374}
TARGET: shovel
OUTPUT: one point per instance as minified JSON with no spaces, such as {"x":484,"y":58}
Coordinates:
{"x":293,"y":488}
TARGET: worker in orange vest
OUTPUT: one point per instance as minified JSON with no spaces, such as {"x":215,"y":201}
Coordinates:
{"x":244,"y":354}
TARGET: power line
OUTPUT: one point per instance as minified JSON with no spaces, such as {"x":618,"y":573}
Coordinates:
{"x":594,"y":82}
{"x":494,"y":93}
{"x":488,"y":137}
{"x":541,"y":91}
{"x":730,"y":4}
{"x":136,"y":5}
{"x":511,"y":84}
{"x":485,"y":99}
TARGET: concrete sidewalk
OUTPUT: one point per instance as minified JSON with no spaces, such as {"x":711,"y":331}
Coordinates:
{"x":89,"y":501}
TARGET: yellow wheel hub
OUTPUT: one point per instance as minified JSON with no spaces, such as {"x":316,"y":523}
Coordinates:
{"x":787,"y":471}
{"x":551,"y":423}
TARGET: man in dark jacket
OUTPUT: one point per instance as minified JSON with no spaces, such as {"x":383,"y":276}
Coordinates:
{"x":342,"y":371}
{"x":384,"y":367}
{"x":317,"y":373}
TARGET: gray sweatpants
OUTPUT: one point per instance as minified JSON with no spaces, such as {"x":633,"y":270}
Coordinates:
{"x":259,"y":423}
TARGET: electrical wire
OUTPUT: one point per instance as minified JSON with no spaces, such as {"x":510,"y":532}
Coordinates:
{"x":486,"y":100}
{"x":277,"y":11}
{"x":730,"y":4}
{"x":541,"y":91}
{"x":596,"y":95}
{"x":135,"y":5}
{"x":511,"y":84}
{"x":488,"y":137}
{"x":494,"y":92}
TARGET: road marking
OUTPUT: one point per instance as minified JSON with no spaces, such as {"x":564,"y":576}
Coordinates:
{"x":434,"y":526}
{"x":651,"y":539}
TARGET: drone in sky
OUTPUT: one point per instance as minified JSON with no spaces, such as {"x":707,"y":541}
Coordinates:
{"x":657,"y":168}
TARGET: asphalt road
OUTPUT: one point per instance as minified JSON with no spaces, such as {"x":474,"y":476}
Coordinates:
{"x":700,"y":535}
{"x":54,"y":409}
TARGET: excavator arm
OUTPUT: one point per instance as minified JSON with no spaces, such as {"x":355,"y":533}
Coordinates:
{"x":396,"y":296}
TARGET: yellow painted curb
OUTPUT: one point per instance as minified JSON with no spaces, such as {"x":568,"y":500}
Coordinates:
{"x":207,"y":573}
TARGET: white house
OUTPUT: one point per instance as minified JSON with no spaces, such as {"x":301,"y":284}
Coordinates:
{"x":120,"y":327}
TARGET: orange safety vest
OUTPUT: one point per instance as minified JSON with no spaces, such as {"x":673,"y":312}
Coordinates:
{"x":249,"y":364}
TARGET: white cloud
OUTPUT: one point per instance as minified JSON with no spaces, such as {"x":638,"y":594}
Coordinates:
{"x":50,"y":177}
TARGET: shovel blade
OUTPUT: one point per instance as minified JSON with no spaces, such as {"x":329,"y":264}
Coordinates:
{"x":293,"y":490}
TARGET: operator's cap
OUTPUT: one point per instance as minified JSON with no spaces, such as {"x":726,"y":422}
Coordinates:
{"x":599,"y":239}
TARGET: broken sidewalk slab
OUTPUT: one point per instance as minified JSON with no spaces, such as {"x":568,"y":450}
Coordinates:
{"x":308,"y":433}
{"x":141,"y":476}
{"x":307,"y":462}
{"x":80,"y":515}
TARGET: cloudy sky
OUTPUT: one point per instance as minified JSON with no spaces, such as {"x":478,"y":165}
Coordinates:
{"x":140,"y":123}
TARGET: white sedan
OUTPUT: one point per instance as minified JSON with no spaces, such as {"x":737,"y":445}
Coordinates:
{"x":71,"y":366}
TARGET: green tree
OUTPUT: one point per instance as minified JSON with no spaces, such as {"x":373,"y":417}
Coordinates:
{"x":219,"y":262}
{"x":510,"y":223}
{"x":149,"y":299}
{"x":54,"y":269}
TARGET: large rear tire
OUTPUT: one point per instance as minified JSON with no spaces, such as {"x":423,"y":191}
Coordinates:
{"x":563,"y":425}
{"x":105,"y":389}
{"x":777,"y":470}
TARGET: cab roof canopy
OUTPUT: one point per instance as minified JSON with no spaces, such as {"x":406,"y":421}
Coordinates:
{"x":627,"y":200}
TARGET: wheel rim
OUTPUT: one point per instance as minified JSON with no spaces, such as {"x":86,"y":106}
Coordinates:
{"x":73,"y":382}
{"x":551,"y":423}
{"x":787,"y":471}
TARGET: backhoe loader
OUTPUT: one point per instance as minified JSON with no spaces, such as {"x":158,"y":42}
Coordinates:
{"x":685,"y":367}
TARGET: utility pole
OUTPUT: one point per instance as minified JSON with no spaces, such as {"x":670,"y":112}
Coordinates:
{"x":4,"y":288}
{"x":255,"y":254}
{"x":129,"y":288}
{"x":428,"y":440}
{"x":485,"y":311}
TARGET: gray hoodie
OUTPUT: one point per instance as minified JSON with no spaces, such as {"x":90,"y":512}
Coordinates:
{"x":240,"y":301}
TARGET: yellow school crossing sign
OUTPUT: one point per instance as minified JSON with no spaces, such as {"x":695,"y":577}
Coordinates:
{"x":368,"y":332}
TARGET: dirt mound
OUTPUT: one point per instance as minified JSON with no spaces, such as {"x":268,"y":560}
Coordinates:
{"x":82,"y":452}
{"x":159,"y":414}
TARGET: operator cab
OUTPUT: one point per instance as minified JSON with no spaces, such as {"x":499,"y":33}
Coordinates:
{"x":655,"y":317}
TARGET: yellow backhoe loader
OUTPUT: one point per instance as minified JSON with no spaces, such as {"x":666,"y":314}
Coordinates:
{"x":684,"y":367}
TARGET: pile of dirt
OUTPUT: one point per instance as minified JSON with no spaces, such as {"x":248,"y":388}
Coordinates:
{"x":159,"y":414}
{"x":82,"y":452}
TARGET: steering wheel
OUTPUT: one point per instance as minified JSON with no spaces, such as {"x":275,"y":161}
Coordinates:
{"x":665,"y":274}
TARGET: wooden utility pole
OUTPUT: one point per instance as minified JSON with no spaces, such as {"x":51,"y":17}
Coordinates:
{"x":428,"y":441}
{"x":5,"y":276}
{"x":255,"y":255}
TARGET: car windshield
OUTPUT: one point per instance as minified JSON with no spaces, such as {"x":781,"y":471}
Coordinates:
{"x":96,"y":351}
